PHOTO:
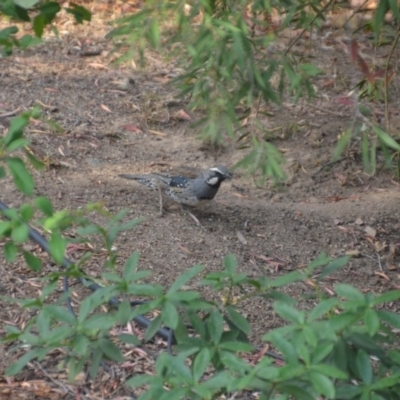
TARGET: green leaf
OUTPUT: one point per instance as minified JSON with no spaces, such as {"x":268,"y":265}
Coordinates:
{"x":386,"y":297}
{"x":57,"y":247}
{"x":57,"y":335}
{"x":215,"y":326}
{"x":236,"y":346}
{"x":33,"y":160}
{"x":99,"y":322}
{"x":27,"y":4}
{"x":380,"y":13}
{"x":329,"y":370}
{"x":5,"y":35}
{"x":22,"y":178}
{"x":26,"y":212}
{"x":20,"y":233}
{"x":5,"y":228}
{"x":16,"y":367}
{"x":17,"y":144}
{"x":10,"y":251}
{"x":139,"y":380}
{"x":43,"y":325}
{"x":282,"y":344}
{"x":80,"y":13}
{"x":322,"y":351}
{"x":234,"y":363}
{"x":349,"y":292}
{"x":322,"y":384}
{"x":44,"y":205}
{"x":238,"y":320}
{"x":84,"y":309}
{"x":154,"y":326}
{"x":230,"y":263}
{"x":390,"y":317}
{"x":343,"y":142}
{"x":95,"y":361}
{"x":184,"y":278}
{"x":334,"y":266}
{"x":124,"y":312}
{"x":289,"y":313}
{"x":178,"y":366}
{"x":201,"y":363}
{"x":16,"y":129}
{"x":75,"y":367}
{"x":170,"y":315}
{"x":386,"y":382}
{"x":110,"y":350}
{"x":371,"y":320}
{"x":39,"y":22}
{"x":310,"y":335}
{"x":49,"y":11}
{"x":59,"y":313}
{"x":130,"y":266}
{"x":364,"y":367}
{"x":154,"y":33}
{"x":34,"y":263}
{"x":28,"y":41}
{"x":48,"y":289}
{"x":80,"y":344}
{"x":130,"y":339}
{"x":322,"y":308}
{"x":286,"y":279}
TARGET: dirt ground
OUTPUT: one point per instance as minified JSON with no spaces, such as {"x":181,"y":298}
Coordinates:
{"x":111,"y":125}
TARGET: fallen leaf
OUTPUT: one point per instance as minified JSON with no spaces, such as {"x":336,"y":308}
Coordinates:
{"x":105,"y":108}
{"x":97,"y":66}
{"x":379,"y":246}
{"x":311,"y":283}
{"x":157,"y":133}
{"x":181,"y":115}
{"x":184,"y":249}
{"x":131,"y":128}
{"x":359,"y":221}
{"x":353,"y":253}
{"x":241,"y":237}
{"x":382,"y":275}
{"x":370,"y":231}
{"x":392,"y":268}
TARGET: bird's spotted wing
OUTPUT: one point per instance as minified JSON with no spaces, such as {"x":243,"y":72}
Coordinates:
{"x":179,"y":182}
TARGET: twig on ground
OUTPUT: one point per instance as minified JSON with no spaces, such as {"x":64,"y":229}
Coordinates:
{"x":10,"y":113}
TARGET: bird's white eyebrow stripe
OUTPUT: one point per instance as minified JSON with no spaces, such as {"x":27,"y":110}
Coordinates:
{"x":217,"y":170}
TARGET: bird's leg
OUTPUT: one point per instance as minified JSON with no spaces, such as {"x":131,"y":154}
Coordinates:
{"x":195,"y":219}
{"x":160,"y":198}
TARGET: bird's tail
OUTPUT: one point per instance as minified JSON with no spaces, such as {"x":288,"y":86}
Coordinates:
{"x":131,"y":176}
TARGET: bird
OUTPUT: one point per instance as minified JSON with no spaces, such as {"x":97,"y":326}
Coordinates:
{"x":185,"y":190}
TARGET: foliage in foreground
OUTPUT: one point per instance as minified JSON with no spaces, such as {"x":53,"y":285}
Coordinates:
{"x":343,"y":347}
{"x":39,"y":13}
